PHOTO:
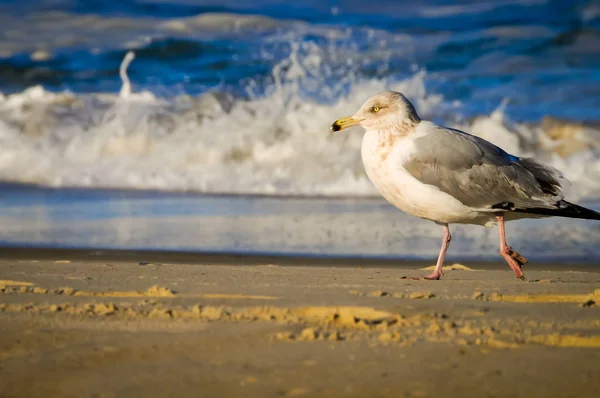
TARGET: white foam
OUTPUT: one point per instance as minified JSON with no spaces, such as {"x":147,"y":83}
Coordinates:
{"x":278,"y":143}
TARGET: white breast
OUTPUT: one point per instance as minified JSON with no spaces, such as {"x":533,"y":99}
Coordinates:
{"x":384,"y":156}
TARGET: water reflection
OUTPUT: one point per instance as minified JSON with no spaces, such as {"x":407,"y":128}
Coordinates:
{"x":42,"y":217}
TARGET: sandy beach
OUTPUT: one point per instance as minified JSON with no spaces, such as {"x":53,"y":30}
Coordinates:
{"x":178,"y":219}
{"x":110,"y":324}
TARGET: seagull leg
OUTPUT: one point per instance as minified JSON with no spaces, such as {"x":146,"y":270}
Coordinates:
{"x":440,"y":262}
{"x":515,"y":260}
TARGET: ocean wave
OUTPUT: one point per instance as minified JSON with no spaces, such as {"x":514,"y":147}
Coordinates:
{"x":274,"y":143}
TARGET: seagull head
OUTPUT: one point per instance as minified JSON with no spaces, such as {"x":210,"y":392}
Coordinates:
{"x":384,"y":111}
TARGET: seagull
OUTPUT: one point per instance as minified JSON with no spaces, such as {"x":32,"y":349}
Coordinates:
{"x":451,"y":177}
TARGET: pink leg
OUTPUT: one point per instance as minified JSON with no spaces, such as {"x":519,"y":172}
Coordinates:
{"x":515,"y":260}
{"x":438,"y":267}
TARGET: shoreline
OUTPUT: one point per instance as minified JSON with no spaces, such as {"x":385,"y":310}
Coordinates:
{"x":283,"y":259}
{"x":308,"y":228}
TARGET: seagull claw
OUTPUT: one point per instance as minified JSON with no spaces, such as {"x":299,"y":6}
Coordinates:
{"x":522,"y":260}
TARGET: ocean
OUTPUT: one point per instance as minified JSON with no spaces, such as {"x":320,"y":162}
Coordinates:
{"x":158,"y":106}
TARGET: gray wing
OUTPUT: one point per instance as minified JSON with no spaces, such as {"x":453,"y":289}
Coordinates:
{"x":481,"y":175}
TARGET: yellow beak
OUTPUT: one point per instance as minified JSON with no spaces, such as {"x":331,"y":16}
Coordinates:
{"x":344,"y":123}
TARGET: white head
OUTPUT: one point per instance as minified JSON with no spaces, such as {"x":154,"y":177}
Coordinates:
{"x":389,"y":110}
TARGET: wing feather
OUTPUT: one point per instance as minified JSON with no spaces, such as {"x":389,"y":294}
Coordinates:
{"x":480,"y":174}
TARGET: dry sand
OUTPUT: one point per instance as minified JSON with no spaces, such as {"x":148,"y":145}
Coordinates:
{"x":112,"y":326}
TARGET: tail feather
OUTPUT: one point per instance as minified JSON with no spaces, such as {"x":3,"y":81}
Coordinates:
{"x":562,"y":209}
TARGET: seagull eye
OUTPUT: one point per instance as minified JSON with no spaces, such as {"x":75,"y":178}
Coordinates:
{"x":375,"y":109}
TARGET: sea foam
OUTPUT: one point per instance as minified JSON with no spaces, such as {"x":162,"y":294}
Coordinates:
{"x":276,"y":142}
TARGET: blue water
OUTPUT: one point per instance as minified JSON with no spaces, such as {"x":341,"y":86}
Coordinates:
{"x":541,"y":56}
{"x":239,"y":99}
{"x":36,"y":217}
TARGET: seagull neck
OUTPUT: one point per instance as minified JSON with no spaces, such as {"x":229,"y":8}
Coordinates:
{"x":397,"y":131}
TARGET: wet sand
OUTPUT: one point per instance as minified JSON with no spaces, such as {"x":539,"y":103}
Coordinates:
{"x":147,"y":324}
